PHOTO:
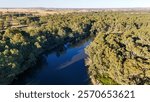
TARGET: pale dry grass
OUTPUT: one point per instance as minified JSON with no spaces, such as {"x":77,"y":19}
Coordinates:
{"x":41,"y":12}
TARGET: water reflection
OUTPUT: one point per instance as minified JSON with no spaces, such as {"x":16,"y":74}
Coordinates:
{"x":63,"y":66}
{"x":74,"y":59}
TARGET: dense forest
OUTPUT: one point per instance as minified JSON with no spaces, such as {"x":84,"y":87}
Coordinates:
{"x":121,"y":53}
{"x":118,"y":55}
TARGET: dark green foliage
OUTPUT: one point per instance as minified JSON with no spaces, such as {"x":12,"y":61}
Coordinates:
{"x":121,"y":55}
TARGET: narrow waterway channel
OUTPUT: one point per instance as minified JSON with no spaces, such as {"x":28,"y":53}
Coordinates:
{"x":63,"y":66}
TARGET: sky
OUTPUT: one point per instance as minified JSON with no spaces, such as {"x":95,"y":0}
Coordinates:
{"x":74,"y":3}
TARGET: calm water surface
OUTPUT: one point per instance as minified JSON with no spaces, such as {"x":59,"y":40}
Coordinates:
{"x":63,"y":66}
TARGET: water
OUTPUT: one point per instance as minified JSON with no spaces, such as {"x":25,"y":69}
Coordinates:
{"x":63,"y":66}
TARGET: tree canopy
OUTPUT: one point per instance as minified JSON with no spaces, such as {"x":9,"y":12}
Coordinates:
{"x":118,"y":55}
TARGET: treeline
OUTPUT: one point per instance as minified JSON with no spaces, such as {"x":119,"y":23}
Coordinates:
{"x":23,"y":37}
{"x":120,"y":54}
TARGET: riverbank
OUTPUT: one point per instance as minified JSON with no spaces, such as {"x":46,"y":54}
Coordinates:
{"x":21,"y":47}
{"x":66,"y":65}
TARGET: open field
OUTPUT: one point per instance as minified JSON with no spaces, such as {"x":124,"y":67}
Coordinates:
{"x":45,"y":11}
{"x":35,"y":11}
{"x":40,"y":11}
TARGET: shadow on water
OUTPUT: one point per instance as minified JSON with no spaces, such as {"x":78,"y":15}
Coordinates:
{"x":62,"y":66}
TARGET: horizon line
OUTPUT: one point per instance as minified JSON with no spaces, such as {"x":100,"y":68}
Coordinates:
{"x":73,"y":7}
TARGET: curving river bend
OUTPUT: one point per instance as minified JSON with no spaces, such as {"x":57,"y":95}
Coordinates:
{"x":63,"y":66}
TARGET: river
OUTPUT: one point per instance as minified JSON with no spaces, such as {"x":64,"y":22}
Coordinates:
{"x":63,"y":66}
